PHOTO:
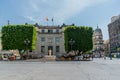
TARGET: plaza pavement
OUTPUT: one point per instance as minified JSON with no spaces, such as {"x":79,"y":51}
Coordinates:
{"x":98,"y":69}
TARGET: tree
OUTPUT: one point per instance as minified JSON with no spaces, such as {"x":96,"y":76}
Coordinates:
{"x":13,"y":37}
{"x":82,"y":36}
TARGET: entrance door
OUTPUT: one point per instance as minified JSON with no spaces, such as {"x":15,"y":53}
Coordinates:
{"x":50,"y":48}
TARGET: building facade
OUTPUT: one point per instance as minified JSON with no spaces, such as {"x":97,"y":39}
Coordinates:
{"x":49,"y":39}
{"x":106,"y":47}
{"x":114,"y":34}
{"x":98,"y":47}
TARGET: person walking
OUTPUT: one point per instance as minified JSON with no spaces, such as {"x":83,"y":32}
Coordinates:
{"x":92,"y":56}
{"x":110,"y":55}
{"x":104,"y":55}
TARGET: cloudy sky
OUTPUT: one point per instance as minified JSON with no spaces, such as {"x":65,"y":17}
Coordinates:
{"x":79,"y":12}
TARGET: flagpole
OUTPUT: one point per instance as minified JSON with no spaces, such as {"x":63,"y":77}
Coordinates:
{"x":52,"y":21}
{"x":47,"y":20}
{"x":47,"y":23}
{"x":8,"y":22}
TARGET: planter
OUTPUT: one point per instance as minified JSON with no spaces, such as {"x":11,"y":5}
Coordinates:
{"x":12,"y":58}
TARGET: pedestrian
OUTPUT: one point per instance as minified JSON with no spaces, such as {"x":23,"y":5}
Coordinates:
{"x":110,"y":55}
{"x":92,"y":56}
{"x":104,"y":57}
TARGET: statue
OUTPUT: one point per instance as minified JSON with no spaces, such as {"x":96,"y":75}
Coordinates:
{"x":50,"y":52}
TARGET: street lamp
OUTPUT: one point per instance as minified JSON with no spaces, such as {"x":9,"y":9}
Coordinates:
{"x":71,"y":42}
{"x":27,"y":42}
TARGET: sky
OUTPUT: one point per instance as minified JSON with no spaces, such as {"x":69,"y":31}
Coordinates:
{"x":80,"y":12}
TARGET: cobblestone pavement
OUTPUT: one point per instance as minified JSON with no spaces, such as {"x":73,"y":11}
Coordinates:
{"x":98,"y":69}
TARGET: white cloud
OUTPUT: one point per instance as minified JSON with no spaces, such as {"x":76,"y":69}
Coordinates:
{"x":30,"y":18}
{"x":33,"y":19}
{"x":61,"y":10}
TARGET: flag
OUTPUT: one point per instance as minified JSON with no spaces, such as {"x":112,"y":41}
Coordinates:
{"x":52,"y":19}
{"x":47,"y":19}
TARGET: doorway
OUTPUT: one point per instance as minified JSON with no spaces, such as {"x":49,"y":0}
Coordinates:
{"x":50,"y":48}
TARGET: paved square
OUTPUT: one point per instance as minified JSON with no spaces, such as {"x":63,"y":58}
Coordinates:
{"x":98,"y":69}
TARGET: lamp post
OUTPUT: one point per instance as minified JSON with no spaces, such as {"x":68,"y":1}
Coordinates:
{"x":71,"y":42}
{"x":98,"y":49}
{"x":27,"y":42}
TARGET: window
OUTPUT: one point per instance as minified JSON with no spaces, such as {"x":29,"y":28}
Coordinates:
{"x":42,"y":49}
{"x":42,"y":39}
{"x":57,"y":48}
{"x":50,"y":40}
{"x":42,"y":30}
{"x":57,"y":39}
{"x":57,"y":30}
{"x":50,"y":31}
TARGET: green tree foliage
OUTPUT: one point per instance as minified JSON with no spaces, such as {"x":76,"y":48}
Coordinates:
{"x":13,"y":37}
{"x":82,"y":36}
